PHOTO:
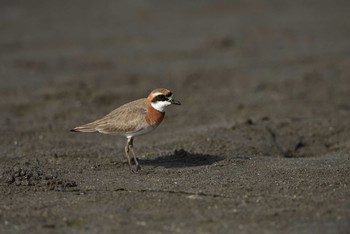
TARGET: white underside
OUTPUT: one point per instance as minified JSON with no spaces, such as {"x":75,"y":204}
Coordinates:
{"x":139,"y":133}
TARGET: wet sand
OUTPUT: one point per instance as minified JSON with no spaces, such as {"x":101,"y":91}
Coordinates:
{"x":260,"y":145}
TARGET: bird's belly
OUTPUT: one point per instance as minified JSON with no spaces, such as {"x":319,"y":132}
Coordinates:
{"x":140,"y":132}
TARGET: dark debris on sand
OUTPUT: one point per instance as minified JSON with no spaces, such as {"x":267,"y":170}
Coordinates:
{"x":29,"y":174}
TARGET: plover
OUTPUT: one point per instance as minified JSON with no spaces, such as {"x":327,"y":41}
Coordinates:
{"x":133,"y":119}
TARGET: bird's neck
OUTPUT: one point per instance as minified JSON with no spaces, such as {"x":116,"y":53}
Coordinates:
{"x":154,"y":116}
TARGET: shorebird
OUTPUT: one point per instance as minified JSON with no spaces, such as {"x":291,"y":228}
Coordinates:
{"x":133,"y":119}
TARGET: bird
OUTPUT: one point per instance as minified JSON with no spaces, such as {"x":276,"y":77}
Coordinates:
{"x":133,"y":119}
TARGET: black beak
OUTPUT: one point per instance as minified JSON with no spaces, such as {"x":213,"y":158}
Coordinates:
{"x":174,"y":102}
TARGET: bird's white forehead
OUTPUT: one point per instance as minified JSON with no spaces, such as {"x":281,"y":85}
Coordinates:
{"x":159,"y":93}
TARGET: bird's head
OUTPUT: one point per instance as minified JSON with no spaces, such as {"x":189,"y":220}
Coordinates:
{"x":161,"y":98}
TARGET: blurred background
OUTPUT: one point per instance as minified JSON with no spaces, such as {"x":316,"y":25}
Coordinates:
{"x":65,"y":63}
{"x":222,"y":58}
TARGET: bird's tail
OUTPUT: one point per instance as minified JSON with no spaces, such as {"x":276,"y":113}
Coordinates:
{"x":84,"y":128}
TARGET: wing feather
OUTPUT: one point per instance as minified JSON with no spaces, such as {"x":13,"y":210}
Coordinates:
{"x":127,"y":118}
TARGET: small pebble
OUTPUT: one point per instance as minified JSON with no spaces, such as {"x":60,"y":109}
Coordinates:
{"x":22,"y":173}
{"x":25,"y":183}
{"x":10,"y":180}
{"x":48,"y":177}
{"x":17,"y":183}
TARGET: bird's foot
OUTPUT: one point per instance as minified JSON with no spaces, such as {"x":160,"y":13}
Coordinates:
{"x":138,"y":168}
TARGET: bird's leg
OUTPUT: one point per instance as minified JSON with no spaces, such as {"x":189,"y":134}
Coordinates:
{"x":131,"y":148}
{"x":127,"y":153}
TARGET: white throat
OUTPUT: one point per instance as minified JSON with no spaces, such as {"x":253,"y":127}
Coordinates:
{"x":160,"y":105}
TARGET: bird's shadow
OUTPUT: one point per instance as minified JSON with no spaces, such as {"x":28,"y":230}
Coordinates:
{"x":181,"y":158}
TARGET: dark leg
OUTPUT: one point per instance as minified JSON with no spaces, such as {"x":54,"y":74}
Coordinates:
{"x":127,"y":153}
{"x":131,"y":148}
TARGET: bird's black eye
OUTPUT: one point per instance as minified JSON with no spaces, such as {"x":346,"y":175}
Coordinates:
{"x":160,"y":98}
